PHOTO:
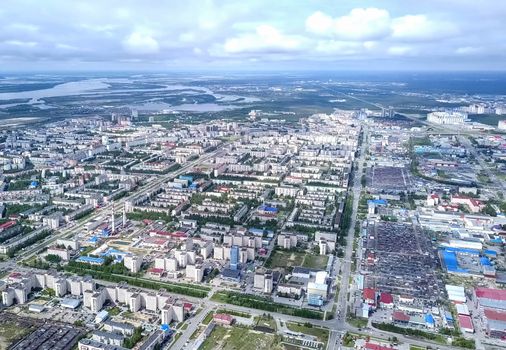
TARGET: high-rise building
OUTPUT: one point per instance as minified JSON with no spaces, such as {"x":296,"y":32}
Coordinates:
{"x":234,"y":257}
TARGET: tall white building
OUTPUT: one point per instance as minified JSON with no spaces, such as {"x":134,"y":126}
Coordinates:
{"x":133,"y":263}
{"x":447,"y":118}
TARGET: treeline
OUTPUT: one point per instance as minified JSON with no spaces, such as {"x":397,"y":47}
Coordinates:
{"x":13,"y":232}
{"x":149,"y":215}
{"x":107,"y":267}
{"x":406,"y":331}
{"x":38,"y":237}
{"x":457,"y":341}
{"x":345,"y":219}
{"x":184,"y":289}
{"x":265,"y":304}
{"x":216,"y":219}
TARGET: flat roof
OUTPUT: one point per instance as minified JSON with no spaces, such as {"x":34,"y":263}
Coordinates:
{"x":466,"y":322}
{"x":70,"y":303}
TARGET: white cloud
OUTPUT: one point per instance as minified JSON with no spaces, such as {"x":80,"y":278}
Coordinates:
{"x":141,"y":43}
{"x":467,"y":50}
{"x":358,"y":24}
{"x":419,"y":27}
{"x":24,"y":27}
{"x":319,"y":23}
{"x":401,"y":50}
{"x":363,"y":24}
{"x":265,"y":38}
{"x":66,"y":47}
{"x":21,"y":43}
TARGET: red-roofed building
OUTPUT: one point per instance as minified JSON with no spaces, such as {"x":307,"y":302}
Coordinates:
{"x":156,"y":242}
{"x":386,"y":300}
{"x":474,"y":205}
{"x":187,"y":307}
{"x":400,"y":317}
{"x":490,"y":293}
{"x":224,"y":319}
{"x":372,"y":346}
{"x":369,"y":295}
{"x":154,"y":271}
{"x":223,"y":189}
{"x":15,"y":277}
{"x":7,"y":225}
{"x":466,"y":324}
{"x":495,"y":322}
{"x":495,"y":315}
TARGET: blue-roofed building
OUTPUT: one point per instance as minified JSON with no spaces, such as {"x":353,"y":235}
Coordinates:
{"x":34,"y":184}
{"x":491,"y":253}
{"x":484,"y":261}
{"x":314,"y":300}
{"x":117,"y":254}
{"x":451,"y":262}
{"x":93,"y":239}
{"x":268,"y":209}
{"x":429,"y":321}
{"x":256,"y":231}
{"x":189,"y":178}
{"x":165,"y":327}
{"x":377,"y":202}
{"x":90,"y":260}
{"x":496,"y":240}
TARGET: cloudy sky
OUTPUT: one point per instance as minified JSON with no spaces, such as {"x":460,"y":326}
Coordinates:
{"x":252,"y":34}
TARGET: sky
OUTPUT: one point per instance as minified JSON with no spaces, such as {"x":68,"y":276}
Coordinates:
{"x":252,"y":35}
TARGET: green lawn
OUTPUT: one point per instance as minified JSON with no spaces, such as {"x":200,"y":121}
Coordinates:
{"x":208,"y":318}
{"x":358,"y":322}
{"x":284,"y":259}
{"x":10,"y":332}
{"x":315,"y":261}
{"x":113,"y":311}
{"x":238,"y":338}
{"x":265,"y":321}
{"x":321,"y":333}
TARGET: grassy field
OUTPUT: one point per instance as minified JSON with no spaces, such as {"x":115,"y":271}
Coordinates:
{"x":265,"y":321}
{"x":238,"y":338}
{"x":208,"y":318}
{"x":321,"y":333}
{"x":315,"y":261}
{"x":285,"y":259}
{"x":10,"y":332}
{"x":358,"y":322}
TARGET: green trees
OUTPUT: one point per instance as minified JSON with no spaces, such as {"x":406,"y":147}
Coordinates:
{"x":116,"y":273}
{"x":40,"y":236}
{"x":265,"y":304}
{"x":129,"y":343}
{"x":52,"y":258}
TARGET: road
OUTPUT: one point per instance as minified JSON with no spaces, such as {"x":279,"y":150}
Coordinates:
{"x":339,"y":321}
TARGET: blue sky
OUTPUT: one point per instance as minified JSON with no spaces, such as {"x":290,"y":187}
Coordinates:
{"x":249,"y":35}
